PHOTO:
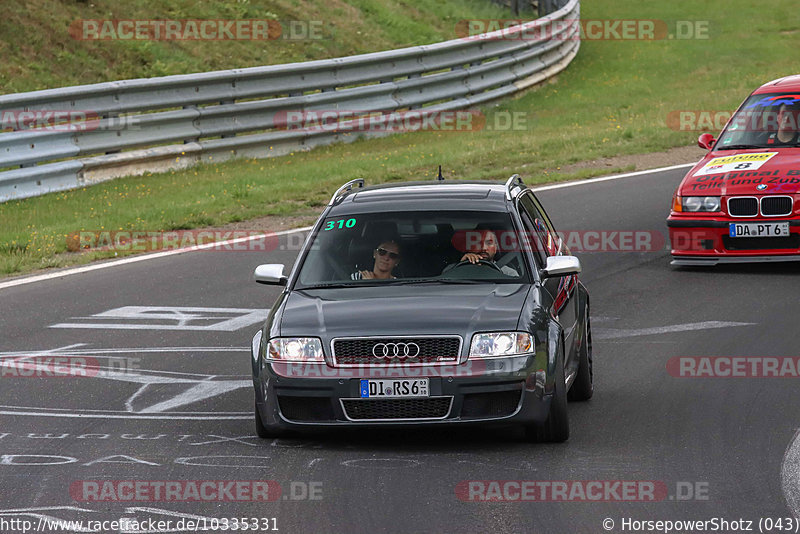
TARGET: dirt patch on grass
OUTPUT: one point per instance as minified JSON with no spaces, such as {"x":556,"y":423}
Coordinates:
{"x":639,"y":162}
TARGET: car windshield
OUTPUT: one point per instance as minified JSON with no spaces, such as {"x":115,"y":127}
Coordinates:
{"x":763,"y":121}
{"x":414,"y":247}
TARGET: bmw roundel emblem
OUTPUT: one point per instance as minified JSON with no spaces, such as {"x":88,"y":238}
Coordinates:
{"x":761,"y":187}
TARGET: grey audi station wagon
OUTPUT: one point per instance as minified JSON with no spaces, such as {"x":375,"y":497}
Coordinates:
{"x":426,"y":303}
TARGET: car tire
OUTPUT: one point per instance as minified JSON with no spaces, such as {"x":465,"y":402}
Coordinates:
{"x":264,"y":432}
{"x":583,"y":388}
{"x":555,"y":429}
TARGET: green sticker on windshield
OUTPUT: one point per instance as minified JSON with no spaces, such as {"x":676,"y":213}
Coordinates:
{"x":341,"y":223}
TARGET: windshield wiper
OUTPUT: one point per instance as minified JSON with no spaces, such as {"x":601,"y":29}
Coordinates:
{"x":739,"y":147}
{"x":337,"y":285}
{"x":400,"y":282}
{"x":438,"y":281}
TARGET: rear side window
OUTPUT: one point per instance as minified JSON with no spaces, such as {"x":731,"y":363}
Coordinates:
{"x":541,"y":235}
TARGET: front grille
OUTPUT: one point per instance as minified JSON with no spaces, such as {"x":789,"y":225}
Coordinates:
{"x":743,"y":206}
{"x":359,"y":351}
{"x":305,"y":408}
{"x":388,"y":409}
{"x":494,"y":404}
{"x":761,"y":243}
{"x":776,"y":206}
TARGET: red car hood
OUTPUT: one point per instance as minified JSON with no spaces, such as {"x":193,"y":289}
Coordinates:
{"x":744,"y":172}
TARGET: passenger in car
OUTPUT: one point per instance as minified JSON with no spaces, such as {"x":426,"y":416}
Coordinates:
{"x":787,"y":133}
{"x":387,"y":257}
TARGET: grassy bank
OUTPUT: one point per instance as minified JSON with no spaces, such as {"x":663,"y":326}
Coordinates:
{"x":39,"y":52}
{"x":613,"y":99}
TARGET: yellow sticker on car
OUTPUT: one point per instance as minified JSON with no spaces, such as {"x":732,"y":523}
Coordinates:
{"x":739,"y":162}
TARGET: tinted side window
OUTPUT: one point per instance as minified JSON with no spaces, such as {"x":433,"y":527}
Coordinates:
{"x":543,"y":212}
{"x":543,"y":239}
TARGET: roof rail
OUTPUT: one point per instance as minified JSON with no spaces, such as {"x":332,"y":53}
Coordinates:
{"x":346,"y":187}
{"x":511,"y":183}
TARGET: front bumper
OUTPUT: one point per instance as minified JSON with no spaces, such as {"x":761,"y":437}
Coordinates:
{"x":707,"y":242}
{"x":502,"y":390}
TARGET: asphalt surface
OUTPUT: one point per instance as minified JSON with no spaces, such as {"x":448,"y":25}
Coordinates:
{"x":174,"y":400}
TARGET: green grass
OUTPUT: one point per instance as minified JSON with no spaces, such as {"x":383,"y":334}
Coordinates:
{"x":38,"y":51}
{"x":613,"y":99}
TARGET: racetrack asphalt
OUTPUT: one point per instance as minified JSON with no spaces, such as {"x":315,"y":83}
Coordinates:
{"x":173,"y":401}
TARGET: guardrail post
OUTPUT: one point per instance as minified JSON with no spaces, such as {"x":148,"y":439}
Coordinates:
{"x":193,"y":139}
{"x":112,"y":115}
{"x":223,"y":103}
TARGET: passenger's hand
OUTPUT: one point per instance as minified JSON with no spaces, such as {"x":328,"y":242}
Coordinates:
{"x":367,"y":275}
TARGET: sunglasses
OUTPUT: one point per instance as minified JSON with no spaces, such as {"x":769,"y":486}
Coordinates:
{"x":383,"y":252}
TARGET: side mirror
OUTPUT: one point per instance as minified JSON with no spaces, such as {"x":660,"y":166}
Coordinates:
{"x":706,"y":141}
{"x":270,"y":273}
{"x":561,"y":266}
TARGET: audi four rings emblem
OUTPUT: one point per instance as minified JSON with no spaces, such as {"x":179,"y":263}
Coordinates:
{"x":395,"y":350}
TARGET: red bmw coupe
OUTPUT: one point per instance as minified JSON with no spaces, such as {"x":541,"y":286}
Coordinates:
{"x":741,"y":202}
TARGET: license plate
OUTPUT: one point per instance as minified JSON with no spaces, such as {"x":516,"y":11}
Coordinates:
{"x":401,"y":387}
{"x":766,"y":229}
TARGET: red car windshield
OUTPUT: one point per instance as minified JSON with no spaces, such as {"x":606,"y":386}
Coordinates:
{"x":764,"y":121}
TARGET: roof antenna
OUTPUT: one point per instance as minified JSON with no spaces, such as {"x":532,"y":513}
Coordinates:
{"x":440,"y":177}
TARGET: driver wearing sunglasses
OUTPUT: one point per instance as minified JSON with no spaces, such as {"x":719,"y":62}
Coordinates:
{"x":387,"y":257}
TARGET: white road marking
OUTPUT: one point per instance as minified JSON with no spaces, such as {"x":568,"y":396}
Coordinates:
{"x":197,"y":393}
{"x":225,"y":439}
{"x":45,"y":509}
{"x":382,"y":463}
{"x":198,"y":387}
{"x":177,"y":318}
{"x":607,"y":178}
{"x":66,"y":351}
{"x":263,"y":461}
{"x":145,"y":257}
{"x":603,"y":319}
{"x":92,"y":414}
{"x":790,"y":475}
{"x":614,"y":333}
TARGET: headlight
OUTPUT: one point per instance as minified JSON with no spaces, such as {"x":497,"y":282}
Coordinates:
{"x":295,"y":349}
{"x":700,"y":204}
{"x":711,"y":203}
{"x":500,"y":344}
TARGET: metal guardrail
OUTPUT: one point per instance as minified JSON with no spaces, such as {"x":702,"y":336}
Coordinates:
{"x":157,"y":124}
